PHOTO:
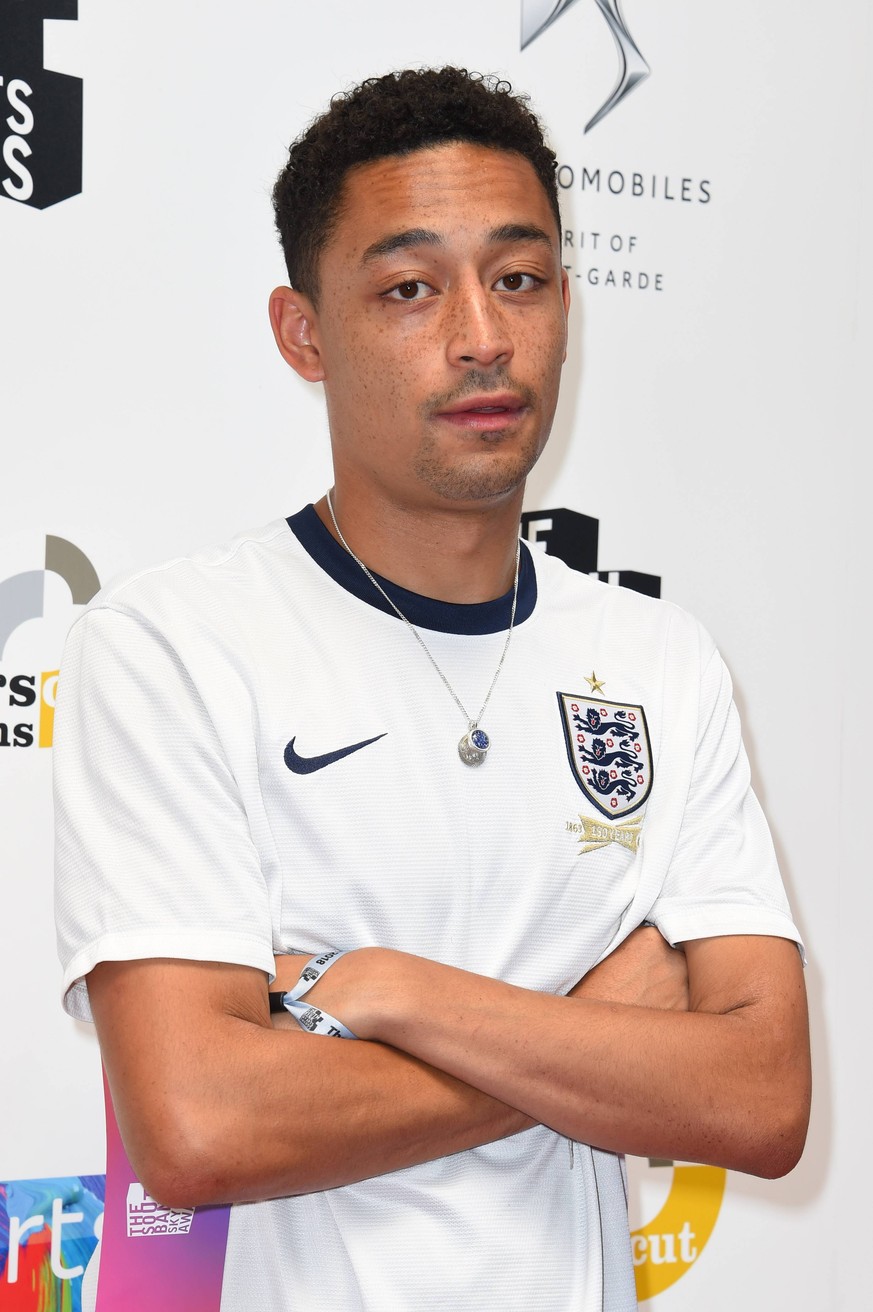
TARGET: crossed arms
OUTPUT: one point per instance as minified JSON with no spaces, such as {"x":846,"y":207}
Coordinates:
{"x":217,"y":1105}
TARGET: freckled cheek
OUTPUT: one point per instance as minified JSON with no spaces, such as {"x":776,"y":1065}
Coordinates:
{"x":382,"y":382}
{"x":396,"y":370}
{"x":551,"y":349}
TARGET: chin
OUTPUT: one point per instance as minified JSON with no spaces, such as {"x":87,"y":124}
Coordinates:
{"x":484,"y":478}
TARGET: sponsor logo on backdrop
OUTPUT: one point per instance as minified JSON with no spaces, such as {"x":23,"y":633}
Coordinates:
{"x":48,"y":1231}
{"x":146,"y":1217}
{"x":611,"y":254}
{"x":50,"y":1228}
{"x":40,"y":111}
{"x":573,"y":538}
{"x":666,"y":1248}
{"x":537,"y":15}
{"x":27,"y":696}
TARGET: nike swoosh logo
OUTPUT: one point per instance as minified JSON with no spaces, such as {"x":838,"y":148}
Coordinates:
{"x":298,"y":764}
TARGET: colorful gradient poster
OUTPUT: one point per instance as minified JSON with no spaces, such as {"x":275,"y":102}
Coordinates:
{"x":48,"y":1231}
{"x":153,"y":1256}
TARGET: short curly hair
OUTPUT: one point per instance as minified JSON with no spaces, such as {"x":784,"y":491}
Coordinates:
{"x":394,"y":115}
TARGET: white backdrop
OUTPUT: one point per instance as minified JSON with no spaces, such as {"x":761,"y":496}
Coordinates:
{"x":712,"y":421}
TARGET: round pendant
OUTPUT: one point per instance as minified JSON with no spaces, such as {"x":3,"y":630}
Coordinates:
{"x":473,"y":746}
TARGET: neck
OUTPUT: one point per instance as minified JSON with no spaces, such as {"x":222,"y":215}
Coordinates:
{"x":464,"y":556}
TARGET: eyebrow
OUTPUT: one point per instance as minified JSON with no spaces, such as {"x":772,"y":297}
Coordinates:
{"x":401,"y":241}
{"x":411,"y":237}
{"x":518,"y":232}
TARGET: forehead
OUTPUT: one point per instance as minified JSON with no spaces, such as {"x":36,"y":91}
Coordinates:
{"x":459,"y":190}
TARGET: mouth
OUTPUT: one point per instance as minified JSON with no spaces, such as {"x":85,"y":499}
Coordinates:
{"x":491,"y":412}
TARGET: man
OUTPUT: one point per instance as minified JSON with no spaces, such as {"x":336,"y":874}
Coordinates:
{"x":258,"y":752}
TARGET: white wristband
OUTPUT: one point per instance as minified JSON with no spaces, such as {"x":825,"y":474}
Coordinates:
{"x":313,"y":1019}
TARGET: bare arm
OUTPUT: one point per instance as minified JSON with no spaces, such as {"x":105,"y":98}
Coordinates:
{"x":216,"y":1105}
{"x":726,"y":1083}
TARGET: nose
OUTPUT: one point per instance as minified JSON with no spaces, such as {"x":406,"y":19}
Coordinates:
{"x":478,"y":331}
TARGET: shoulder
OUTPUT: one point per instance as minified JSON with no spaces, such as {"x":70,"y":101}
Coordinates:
{"x":209,"y":569}
{"x":630,"y":618}
{"x":206,"y":609}
{"x":208,"y":588}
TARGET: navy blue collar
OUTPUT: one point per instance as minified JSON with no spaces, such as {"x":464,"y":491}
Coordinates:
{"x":423,"y":612}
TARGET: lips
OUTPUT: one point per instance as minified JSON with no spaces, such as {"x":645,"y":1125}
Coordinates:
{"x":489,"y":412}
{"x":488,"y":403}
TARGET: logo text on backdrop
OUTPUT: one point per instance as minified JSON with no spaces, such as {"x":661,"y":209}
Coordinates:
{"x":40,"y":111}
{"x":22,"y":598}
{"x":616,"y":253}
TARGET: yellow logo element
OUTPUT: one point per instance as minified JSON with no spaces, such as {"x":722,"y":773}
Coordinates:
{"x":595,"y":834}
{"x":669,"y":1245}
{"x":47,"y":697}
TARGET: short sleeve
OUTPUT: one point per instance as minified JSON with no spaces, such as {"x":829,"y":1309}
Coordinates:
{"x":154,"y":857}
{"x":723,"y":877}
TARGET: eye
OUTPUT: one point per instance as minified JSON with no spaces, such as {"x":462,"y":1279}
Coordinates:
{"x":413,"y":289}
{"x":518,"y":282}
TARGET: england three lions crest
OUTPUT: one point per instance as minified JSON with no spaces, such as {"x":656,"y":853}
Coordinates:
{"x":609,"y":751}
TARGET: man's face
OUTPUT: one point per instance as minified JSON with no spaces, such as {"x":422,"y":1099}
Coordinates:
{"x":441,"y":326}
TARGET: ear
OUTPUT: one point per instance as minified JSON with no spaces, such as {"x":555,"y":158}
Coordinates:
{"x":292,"y":317}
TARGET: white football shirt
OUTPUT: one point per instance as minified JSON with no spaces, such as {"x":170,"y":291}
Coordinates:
{"x":253,"y":755}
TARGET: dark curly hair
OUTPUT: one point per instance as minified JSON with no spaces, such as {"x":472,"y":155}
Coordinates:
{"x":395,"y":115}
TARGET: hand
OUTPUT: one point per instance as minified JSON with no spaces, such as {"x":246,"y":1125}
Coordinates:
{"x":643,"y":972}
{"x":288,"y":970}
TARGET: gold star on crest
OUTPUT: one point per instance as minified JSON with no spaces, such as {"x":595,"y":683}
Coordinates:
{"x":593,"y":682}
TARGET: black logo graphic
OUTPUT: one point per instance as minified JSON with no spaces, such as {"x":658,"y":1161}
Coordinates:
{"x":573,"y":538}
{"x":309,"y":764}
{"x":41,"y":131}
{"x":537,"y":15}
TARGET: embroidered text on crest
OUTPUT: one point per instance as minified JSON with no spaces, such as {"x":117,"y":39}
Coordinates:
{"x":595,"y":834}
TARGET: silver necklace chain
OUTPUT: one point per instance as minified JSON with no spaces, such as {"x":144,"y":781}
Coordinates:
{"x":475,"y":742}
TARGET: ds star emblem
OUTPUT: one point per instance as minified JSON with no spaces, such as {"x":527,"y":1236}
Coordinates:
{"x":609,"y":752}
